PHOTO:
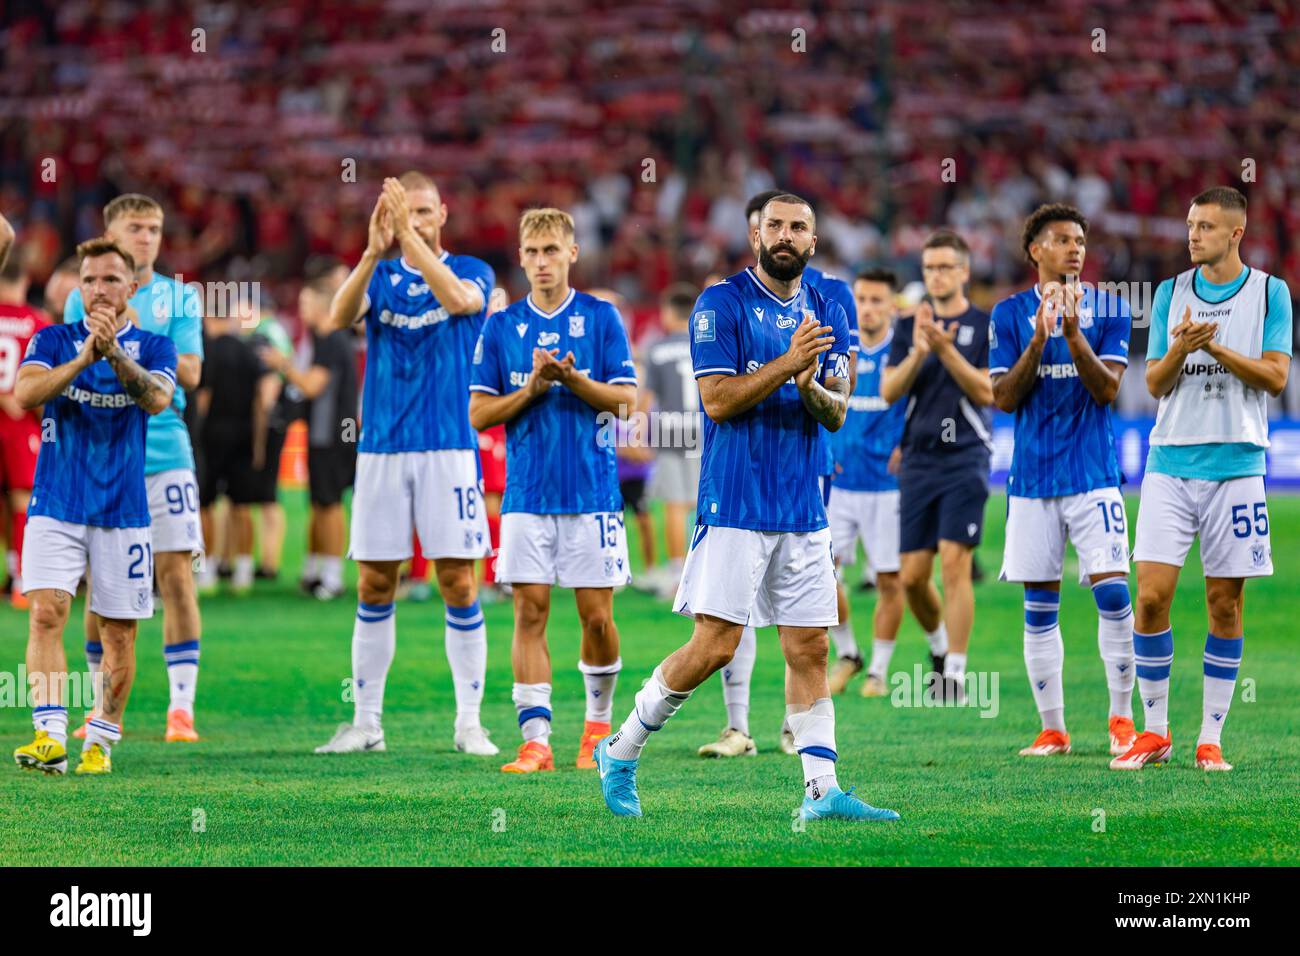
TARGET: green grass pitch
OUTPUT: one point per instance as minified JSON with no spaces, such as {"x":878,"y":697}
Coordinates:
{"x":271,"y":689}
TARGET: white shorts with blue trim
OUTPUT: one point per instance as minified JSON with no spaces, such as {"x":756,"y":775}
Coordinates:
{"x":174,"y":511}
{"x":435,"y":494}
{"x":571,"y":551}
{"x":869,"y":516}
{"x":1039,"y":528}
{"x":759,"y":578}
{"x":1231,"y":518}
{"x":119,"y":561}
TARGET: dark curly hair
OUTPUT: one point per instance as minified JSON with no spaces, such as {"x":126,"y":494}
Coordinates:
{"x":1040,"y":217}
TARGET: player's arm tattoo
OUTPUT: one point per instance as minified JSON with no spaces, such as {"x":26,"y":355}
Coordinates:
{"x":147,"y":390}
{"x":1100,"y":378}
{"x":827,"y":403}
{"x":1012,"y":387}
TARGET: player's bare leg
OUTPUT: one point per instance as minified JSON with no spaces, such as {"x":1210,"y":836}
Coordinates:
{"x":1153,"y":655}
{"x":886,"y":620}
{"x":374,"y":642}
{"x":104,"y":729}
{"x":959,"y":613}
{"x":241,"y":541}
{"x":917,"y":576}
{"x":1225,"y":605}
{"x":531,"y":659}
{"x":94,"y":658}
{"x":47,"y":665}
{"x":182,"y":628}
{"x":327,"y":540}
{"x":465,"y":639}
{"x":675,"y":513}
{"x":848,"y":658}
{"x":272,"y":524}
{"x":599,"y":662}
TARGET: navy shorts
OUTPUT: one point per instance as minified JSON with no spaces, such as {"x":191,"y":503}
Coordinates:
{"x":941,"y":502}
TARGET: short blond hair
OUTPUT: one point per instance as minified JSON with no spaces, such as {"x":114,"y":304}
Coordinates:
{"x":131,"y":204}
{"x":414,"y":179}
{"x":545,"y":220}
{"x":104,"y":246}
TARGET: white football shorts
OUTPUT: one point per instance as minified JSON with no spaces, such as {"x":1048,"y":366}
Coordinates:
{"x":435,"y":494}
{"x":174,"y":511}
{"x":872,"y":517}
{"x":572,"y":551}
{"x":759,"y":578}
{"x":57,"y":554}
{"x":1230,"y":516}
{"x":1038,"y":529}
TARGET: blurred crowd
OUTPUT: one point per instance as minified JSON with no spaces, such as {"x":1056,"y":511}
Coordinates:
{"x":265,"y":128}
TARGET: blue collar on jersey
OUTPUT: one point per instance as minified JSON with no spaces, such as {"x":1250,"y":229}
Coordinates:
{"x":749,"y":271}
{"x":410,"y":268}
{"x":568,"y":299}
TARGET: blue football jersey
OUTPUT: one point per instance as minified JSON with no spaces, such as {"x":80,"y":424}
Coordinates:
{"x":90,"y":469}
{"x":416,"y":393}
{"x":167,"y":307}
{"x":872,"y":429}
{"x":560,"y":457}
{"x":1064,"y":444}
{"x":837,"y":290}
{"x":760,"y":469}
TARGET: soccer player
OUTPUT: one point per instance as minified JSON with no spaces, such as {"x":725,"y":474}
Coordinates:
{"x":20,"y":428}
{"x":939,"y":362}
{"x":772,"y":360}
{"x":555,"y":367}
{"x":417,"y":461}
{"x":1057,"y":352}
{"x":864,"y":503}
{"x":99,"y":379}
{"x":165,"y":306}
{"x":1212,"y":371}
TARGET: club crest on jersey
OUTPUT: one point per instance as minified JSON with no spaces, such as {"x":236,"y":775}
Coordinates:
{"x":577,"y":326}
{"x":1117,"y":552}
{"x":706,"y":326}
{"x":547,"y":338}
{"x":966,"y":335}
{"x":1258,"y":555}
{"x":141,"y":600}
{"x":609,"y":567}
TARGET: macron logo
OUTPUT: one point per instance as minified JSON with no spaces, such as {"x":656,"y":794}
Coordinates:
{"x":75,"y":909}
{"x":758,"y":312}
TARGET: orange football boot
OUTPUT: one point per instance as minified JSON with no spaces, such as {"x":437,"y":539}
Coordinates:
{"x":1210,"y":757}
{"x":1122,"y":735}
{"x":180,"y":728}
{"x":1147,"y":748}
{"x":1047,"y":744}
{"x":592,"y":733}
{"x":532,"y":757}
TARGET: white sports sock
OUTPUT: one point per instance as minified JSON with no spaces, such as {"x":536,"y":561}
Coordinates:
{"x":102,"y":732}
{"x":311,"y":567}
{"x":533,"y":707}
{"x":654,"y":704}
{"x":599,"y":681}
{"x":330,"y":569}
{"x":242,"y":575}
{"x":374,"y":642}
{"x":53,"y":719}
{"x":938,"y":640}
{"x":1044,"y":660}
{"x":845,"y":645}
{"x":881,"y":653}
{"x":95,"y":666}
{"x":465,"y":639}
{"x":182,"y":674}
{"x":814,"y":739}
{"x":735,"y":681}
{"x":954,"y":666}
{"x":1153,"y":657}
{"x":1115,"y":642}
{"x":1220,"y":664}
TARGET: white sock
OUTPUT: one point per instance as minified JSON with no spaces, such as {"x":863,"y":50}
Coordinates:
{"x":599,"y":680}
{"x":735,"y":681}
{"x":465,"y":638}
{"x":242,"y":575}
{"x":533,"y":707}
{"x":1115,"y":642}
{"x":53,"y":719}
{"x":102,"y":732}
{"x":1220,"y":664}
{"x":845,"y":645}
{"x":938,"y":640}
{"x":881,"y":652}
{"x":311,"y":567}
{"x":95,"y":665}
{"x":1153,"y":656}
{"x":182,"y":674}
{"x":330,"y":568}
{"x":954,"y":666}
{"x":814,"y":738}
{"x":654,"y":704}
{"x":374,"y":642}
{"x":1044,"y":661}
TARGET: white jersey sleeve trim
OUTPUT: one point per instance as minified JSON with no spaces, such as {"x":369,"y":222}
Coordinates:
{"x":484,"y":388}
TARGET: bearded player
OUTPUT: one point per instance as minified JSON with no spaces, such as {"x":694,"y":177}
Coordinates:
{"x":772,"y":361}
{"x":164,"y":306}
{"x":1220,"y":345}
{"x":417,"y":461}
{"x":1057,"y":353}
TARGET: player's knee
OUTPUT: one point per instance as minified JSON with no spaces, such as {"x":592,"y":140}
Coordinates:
{"x":1225,"y":614}
{"x":954,"y":565}
{"x":1150,"y":608}
{"x":914,"y":579}
{"x":531,"y":613}
{"x":889,"y":585}
{"x":118,"y":635}
{"x":598,"y":624}
{"x":375,"y":586}
{"x":46,"y":616}
{"x":458,"y":586}
{"x":808,"y":652}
